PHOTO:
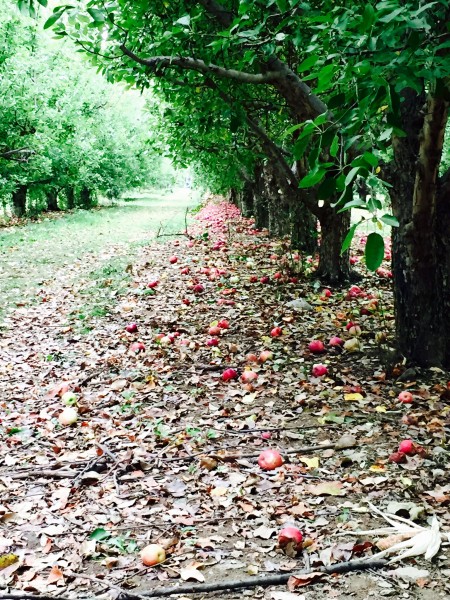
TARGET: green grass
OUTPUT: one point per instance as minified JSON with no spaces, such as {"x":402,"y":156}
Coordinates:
{"x":68,"y":247}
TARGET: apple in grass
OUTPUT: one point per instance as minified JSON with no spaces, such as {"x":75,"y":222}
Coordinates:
{"x":270,"y":459}
{"x":153,"y":554}
{"x":405,"y":397}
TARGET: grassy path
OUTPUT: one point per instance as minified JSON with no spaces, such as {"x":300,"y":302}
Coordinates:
{"x":67,"y":247}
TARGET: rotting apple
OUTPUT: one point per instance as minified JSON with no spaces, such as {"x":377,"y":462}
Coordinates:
{"x":265,"y":356}
{"x":137,"y":347}
{"x":290,"y":539}
{"x":249,"y":376}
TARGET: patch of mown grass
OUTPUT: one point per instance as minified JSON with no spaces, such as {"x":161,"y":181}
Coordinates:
{"x":63,"y":249}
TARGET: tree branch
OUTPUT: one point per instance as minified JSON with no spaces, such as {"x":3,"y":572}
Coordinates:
{"x":195,"y":64}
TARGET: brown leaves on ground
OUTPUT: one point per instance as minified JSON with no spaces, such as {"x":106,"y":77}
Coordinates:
{"x":162,"y":448}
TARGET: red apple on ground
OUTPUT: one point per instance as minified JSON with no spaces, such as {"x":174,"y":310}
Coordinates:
{"x":185,"y":271}
{"x":335,"y":341}
{"x":265,"y":279}
{"x":186,"y":301}
{"x":327,"y":293}
{"x":137,"y":347}
{"x":253,"y":279}
{"x":214,"y":330}
{"x":229,"y":374}
{"x":173,"y":260}
{"x":131,"y":328}
{"x":153,"y":554}
{"x":290,"y":538}
{"x":319,"y":370}
{"x":212,"y":342}
{"x":266,"y":435}
{"x":270,"y":460}
{"x":152,"y":284}
{"x":278,"y":275}
{"x":405,"y":397}
{"x":407,"y":447}
{"x":251,"y":358}
{"x":223,"y":324}
{"x":276,"y":332}
{"x":249,"y":377}
{"x":198,"y":288}
{"x":316,"y":347}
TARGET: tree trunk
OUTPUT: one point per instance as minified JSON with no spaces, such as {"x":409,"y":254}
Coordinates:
{"x":70,"y":196}
{"x":420,"y":250}
{"x":19,"y":201}
{"x":334,"y":267}
{"x":52,"y":200}
{"x":303,"y":228}
{"x":85,"y":198}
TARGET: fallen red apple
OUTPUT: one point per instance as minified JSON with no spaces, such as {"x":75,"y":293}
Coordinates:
{"x":293,"y":279}
{"x":131,"y":328}
{"x":397,"y":457}
{"x":405,"y":397}
{"x":223,"y":324}
{"x":265,"y":279}
{"x":198,"y":288}
{"x":349,"y":325}
{"x":137,"y":347}
{"x":407,"y":447}
{"x":319,"y":370}
{"x":214,"y":330}
{"x":185,"y":271}
{"x":229,"y":374}
{"x":253,"y":279}
{"x":173,"y":260}
{"x":276,"y":332}
{"x":266,"y":435}
{"x":152,"y":284}
{"x":249,"y":377}
{"x":278,"y":275}
{"x":316,"y":347}
{"x":68,"y":416}
{"x":335,"y":341}
{"x":251,"y":358}
{"x":153,"y":554}
{"x":186,"y":301}
{"x":265,"y":356}
{"x":327,"y":293}
{"x":290,"y":538}
{"x":270,"y":459}
{"x":212,"y":342}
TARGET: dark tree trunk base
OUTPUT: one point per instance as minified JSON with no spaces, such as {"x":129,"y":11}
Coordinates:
{"x":334,"y":267}
{"x":19,"y":201}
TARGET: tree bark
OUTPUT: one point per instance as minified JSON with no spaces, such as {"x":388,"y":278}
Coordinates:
{"x":304,"y":233}
{"x":334,"y":267}
{"x":421,"y":256}
{"x":19,"y":200}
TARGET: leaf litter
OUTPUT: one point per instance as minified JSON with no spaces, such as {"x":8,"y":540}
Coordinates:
{"x":164,"y":451}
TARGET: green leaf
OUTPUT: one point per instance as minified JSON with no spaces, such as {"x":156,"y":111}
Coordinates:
{"x":370,"y":158}
{"x":99,"y":534}
{"x":55,"y":17}
{"x":43,"y":2}
{"x":390,"y":220}
{"x":334,"y":146}
{"x":348,"y":238}
{"x":312,"y":178}
{"x":351,"y":175}
{"x":326,"y":188}
{"x":186,"y":20}
{"x":307,"y":63}
{"x":98,"y":15}
{"x":374,"y":251}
